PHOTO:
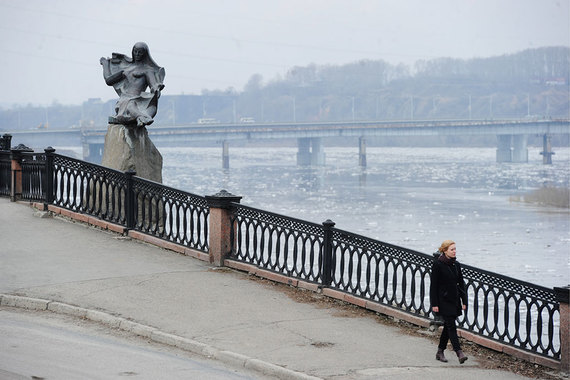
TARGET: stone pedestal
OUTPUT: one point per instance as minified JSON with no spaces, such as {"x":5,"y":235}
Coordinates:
{"x":128,"y":148}
{"x":220,"y":226}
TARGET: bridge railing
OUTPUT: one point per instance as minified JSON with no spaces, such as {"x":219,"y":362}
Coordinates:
{"x":503,"y":309}
{"x":513,"y":312}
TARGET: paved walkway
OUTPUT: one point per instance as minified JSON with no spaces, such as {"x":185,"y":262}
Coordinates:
{"x":217,"y":312}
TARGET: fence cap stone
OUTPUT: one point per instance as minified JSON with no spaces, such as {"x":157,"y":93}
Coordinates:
{"x":329,"y":223}
{"x":222,"y":199}
{"x":22,"y":148}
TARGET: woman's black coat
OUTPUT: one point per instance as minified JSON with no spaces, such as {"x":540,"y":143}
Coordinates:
{"x":447,"y":289}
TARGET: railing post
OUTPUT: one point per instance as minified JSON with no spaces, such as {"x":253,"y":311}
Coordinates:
{"x":130,"y":200}
{"x":16,"y":191}
{"x":327,"y":252}
{"x":220,"y":225}
{"x":48,"y":191}
{"x":562,"y":296}
{"x":6,"y":142}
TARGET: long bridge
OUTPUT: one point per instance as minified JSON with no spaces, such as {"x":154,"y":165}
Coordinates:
{"x":512,"y":135}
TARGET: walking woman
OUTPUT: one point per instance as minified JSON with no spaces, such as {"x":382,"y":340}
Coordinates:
{"x":448,"y":297}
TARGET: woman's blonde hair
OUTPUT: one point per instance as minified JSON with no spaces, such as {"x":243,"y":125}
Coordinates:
{"x":446,"y":243}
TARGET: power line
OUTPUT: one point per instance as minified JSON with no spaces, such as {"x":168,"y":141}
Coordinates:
{"x":176,"y":54}
{"x":179,"y":32}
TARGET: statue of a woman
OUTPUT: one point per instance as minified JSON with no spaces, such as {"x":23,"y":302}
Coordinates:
{"x":130,"y":77}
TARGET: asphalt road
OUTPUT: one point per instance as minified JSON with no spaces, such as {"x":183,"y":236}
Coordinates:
{"x":44,"y":345}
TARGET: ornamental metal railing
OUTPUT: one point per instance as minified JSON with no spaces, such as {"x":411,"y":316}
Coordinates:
{"x":33,"y":175}
{"x":87,"y":188}
{"x":511,"y":311}
{"x":170,"y":214}
{"x":110,"y":195}
{"x":5,"y":142}
{"x":5,"y":173}
{"x":282,"y":244}
{"x":504,"y":309}
{"x":5,"y":165}
{"x":130,"y":201}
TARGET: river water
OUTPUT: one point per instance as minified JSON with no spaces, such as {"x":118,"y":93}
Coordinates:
{"x":411,"y":197}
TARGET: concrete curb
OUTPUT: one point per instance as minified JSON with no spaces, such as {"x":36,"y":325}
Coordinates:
{"x":190,"y":345}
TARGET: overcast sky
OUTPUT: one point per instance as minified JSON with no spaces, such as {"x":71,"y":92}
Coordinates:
{"x":50,"y":49}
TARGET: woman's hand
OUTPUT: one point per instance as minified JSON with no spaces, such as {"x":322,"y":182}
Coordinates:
{"x":464,"y":307}
{"x":435,"y":309}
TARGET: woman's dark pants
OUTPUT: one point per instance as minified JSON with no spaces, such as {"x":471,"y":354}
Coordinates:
{"x":449,"y":333}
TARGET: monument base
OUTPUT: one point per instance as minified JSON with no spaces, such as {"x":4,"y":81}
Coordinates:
{"x":128,"y":148}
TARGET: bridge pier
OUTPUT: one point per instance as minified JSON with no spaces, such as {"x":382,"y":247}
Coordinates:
{"x":520,"y":150}
{"x":225,"y":155}
{"x":547,"y":152}
{"x":310,"y":152}
{"x":504,"y":153}
{"x":303,"y":151}
{"x":93,"y":153}
{"x":362,"y":151}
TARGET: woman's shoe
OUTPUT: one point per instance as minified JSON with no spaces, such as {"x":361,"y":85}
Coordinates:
{"x":440,"y":356}
{"x":461,"y":356}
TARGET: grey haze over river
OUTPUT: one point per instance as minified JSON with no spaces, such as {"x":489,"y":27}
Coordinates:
{"x":411,"y":197}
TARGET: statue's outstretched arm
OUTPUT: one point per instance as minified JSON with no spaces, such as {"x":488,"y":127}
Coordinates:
{"x":110,"y":79}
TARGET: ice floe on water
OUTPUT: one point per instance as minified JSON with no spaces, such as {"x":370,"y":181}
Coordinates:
{"x":410,"y":197}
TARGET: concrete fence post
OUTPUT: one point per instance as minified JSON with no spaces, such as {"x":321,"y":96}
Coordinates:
{"x":16,"y":191}
{"x":562,"y":296}
{"x":220,"y":225}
